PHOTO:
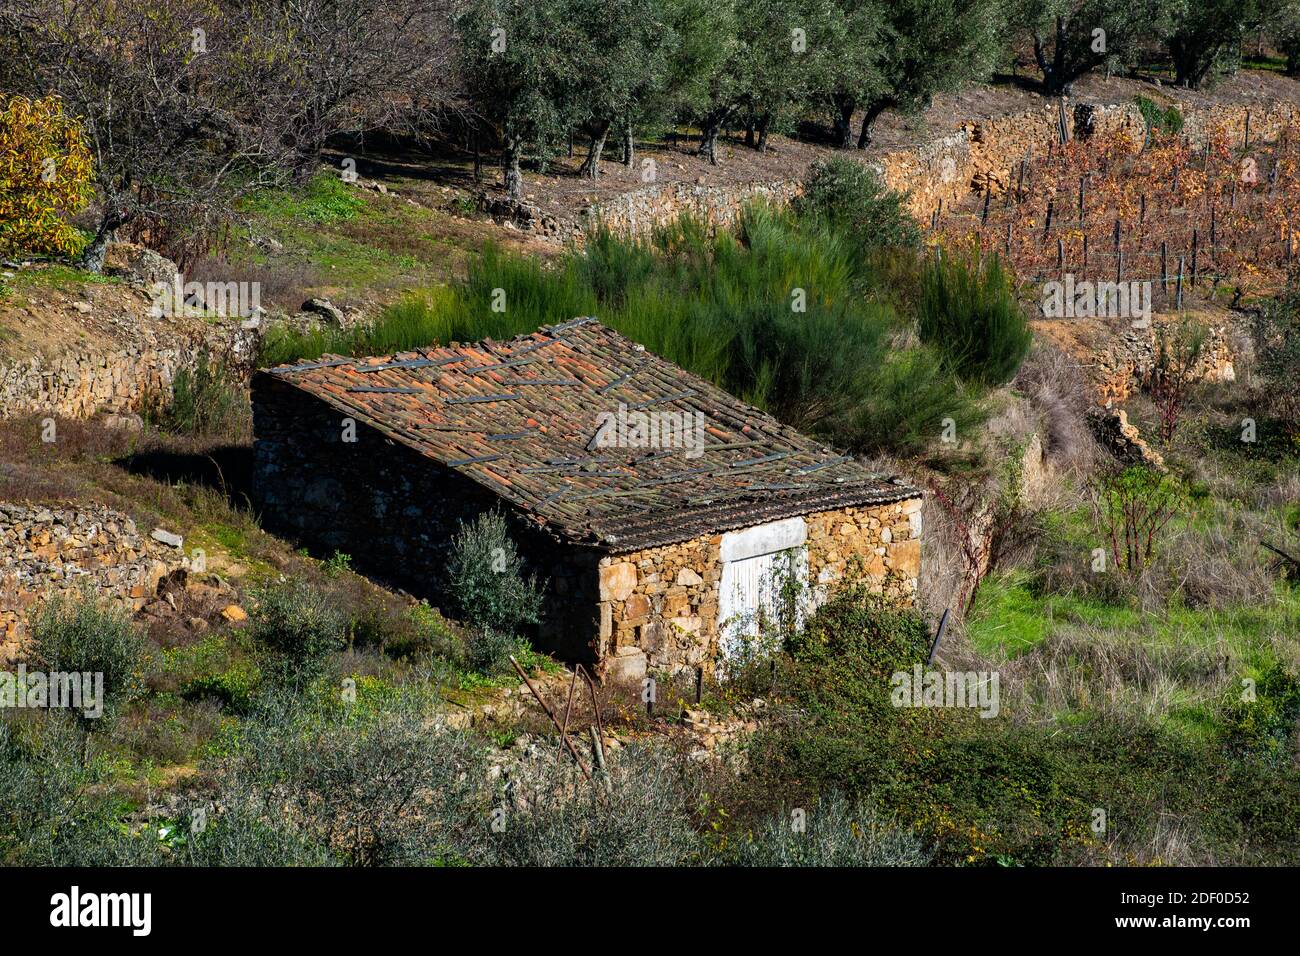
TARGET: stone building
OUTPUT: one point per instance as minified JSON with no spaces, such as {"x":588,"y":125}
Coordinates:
{"x":660,"y":510}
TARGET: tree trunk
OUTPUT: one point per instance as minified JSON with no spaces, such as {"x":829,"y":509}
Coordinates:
{"x":514,"y":178}
{"x":844,"y":107}
{"x":591,"y":165}
{"x":1054,"y":78}
{"x":92,"y":259}
{"x":764,"y":125}
{"x":709,"y":129}
{"x":869,"y":117}
{"x":629,"y":144}
{"x":750,"y":141}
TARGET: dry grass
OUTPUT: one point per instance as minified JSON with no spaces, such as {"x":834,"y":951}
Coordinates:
{"x":1060,"y":395}
{"x":1084,"y":669}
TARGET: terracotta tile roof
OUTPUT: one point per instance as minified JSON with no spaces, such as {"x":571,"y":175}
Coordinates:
{"x":521,"y":418}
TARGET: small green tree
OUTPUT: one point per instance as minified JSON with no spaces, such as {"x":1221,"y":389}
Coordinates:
{"x":852,"y":196}
{"x":89,"y":636}
{"x":1133,"y":507}
{"x":1178,"y":349}
{"x":487,"y":584}
{"x":1276,"y":334}
{"x":299,"y":629}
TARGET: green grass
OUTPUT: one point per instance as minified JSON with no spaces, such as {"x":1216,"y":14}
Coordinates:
{"x":325,"y":198}
{"x":63,"y":278}
{"x":1009,"y":619}
{"x":340,"y":240}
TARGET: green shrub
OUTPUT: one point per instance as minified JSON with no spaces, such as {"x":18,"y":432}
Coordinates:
{"x":426,"y":632}
{"x":851,"y":195}
{"x":51,"y":811}
{"x":207,"y":400}
{"x":785,"y":311}
{"x":1276,"y":334}
{"x":969,"y":310}
{"x":1265,"y":720}
{"x":641,"y":819}
{"x":1165,"y":122}
{"x":486,"y":581}
{"x":834,"y":832}
{"x":299,"y":629}
{"x":232,"y":688}
{"x":488,"y":651}
{"x":86,"y":635}
{"x":378,"y":789}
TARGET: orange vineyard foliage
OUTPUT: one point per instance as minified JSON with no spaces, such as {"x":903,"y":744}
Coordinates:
{"x":45,"y":173}
{"x":1226,"y":210}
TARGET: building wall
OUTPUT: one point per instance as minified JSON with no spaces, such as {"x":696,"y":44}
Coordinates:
{"x":396,"y":512}
{"x":659,"y":607}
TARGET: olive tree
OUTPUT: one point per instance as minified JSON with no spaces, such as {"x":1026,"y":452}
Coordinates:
{"x":1071,"y":38}
{"x":521,"y":60}
{"x":1204,"y":37}
{"x":626,"y":46}
{"x":925,"y":47}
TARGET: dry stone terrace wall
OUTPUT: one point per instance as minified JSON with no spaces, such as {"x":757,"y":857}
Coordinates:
{"x":640,"y":211}
{"x":77,"y":382}
{"x":46,"y":552}
{"x":659,"y":608}
{"x":74,"y":349}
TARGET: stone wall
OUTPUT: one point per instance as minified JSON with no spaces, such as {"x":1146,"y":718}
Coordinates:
{"x":640,"y":211}
{"x":80,"y":383}
{"x":659,"y":607}
{"x":73,"y":357}
{"x":61,"y":551}
{"x":943,"y":169}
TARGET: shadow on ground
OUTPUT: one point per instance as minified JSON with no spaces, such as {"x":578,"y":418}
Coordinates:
{"x":227,"y":469}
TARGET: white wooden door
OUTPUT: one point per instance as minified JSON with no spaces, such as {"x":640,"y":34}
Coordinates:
{"x":755,"y":562}
{"x":748,"y":587}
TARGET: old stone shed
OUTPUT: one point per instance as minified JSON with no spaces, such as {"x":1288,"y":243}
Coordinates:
{"x":655,"y":505}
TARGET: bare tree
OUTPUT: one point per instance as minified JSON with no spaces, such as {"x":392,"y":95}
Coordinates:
{"x":172,"y":136}
{"x":355,"y":66}
{"x":186,"y":106}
